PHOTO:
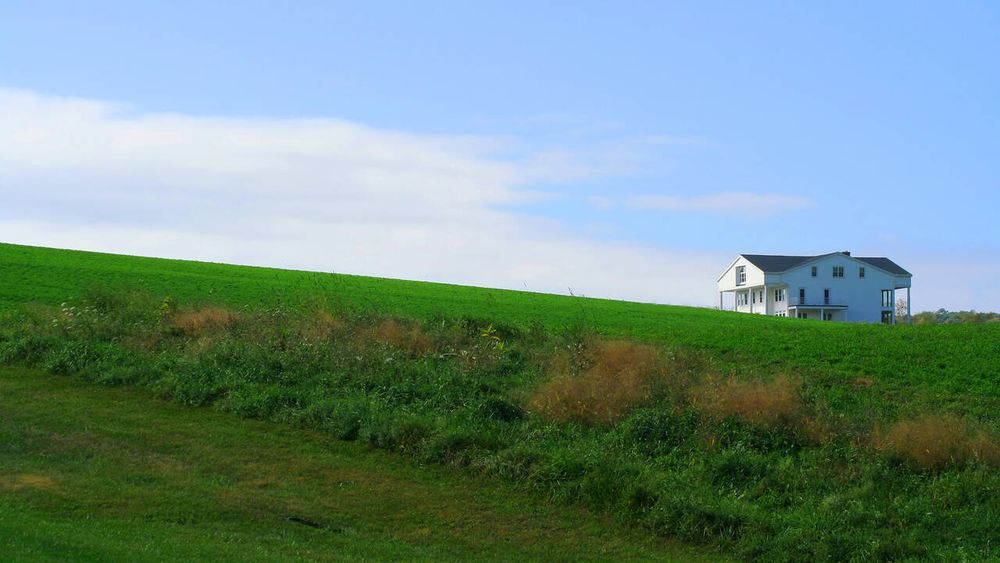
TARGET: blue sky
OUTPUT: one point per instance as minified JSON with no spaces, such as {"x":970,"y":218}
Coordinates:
{"x":655,"y":138}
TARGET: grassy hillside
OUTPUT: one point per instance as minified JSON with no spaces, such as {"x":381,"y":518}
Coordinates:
{"x":91,"y":474}
{"x":956,"y":360}
{"x":769,"y":438}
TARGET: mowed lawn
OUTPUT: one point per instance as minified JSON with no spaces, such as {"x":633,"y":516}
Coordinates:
{"x":97,"y":473}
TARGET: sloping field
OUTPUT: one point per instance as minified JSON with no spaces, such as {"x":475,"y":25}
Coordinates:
{"x":766,"y":438}
{"x":92,"y":474}
{"x":959,"y":359}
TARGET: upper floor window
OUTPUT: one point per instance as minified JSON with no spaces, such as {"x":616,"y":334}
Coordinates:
{"x":838,"y":271}
{"x":814,"y":271}
{"x":779,"y":295}
{"x":887,"y":298}
{"x":861,"y":272}
{"x":741,"y":275}
{"x":802,"y":296}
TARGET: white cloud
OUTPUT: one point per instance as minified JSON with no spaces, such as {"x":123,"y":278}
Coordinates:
{"x":314,"y":194}
{"x":727,"y":203}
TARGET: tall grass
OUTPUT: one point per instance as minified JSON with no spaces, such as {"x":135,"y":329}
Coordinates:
{"x":649,"y":432}
{"x":935,"y":441}
{"x":617,"y":377}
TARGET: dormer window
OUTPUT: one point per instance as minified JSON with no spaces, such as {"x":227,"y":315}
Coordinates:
{"x":741,"y":275}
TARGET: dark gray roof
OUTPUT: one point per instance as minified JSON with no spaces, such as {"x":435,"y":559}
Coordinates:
{"x":885,"y":264}
{"x":773,"y":264}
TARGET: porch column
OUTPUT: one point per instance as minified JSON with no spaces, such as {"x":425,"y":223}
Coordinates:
{"x":720,"y":300}
{"x":765,"y":299}
{"x":894,"y":320}
{"x":909,"y":317}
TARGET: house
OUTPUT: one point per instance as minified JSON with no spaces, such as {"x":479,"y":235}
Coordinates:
{"x":831,"y":287}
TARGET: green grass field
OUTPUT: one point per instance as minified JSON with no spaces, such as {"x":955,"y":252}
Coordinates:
{"x":765,"y":438}
{"x":957,"y":359}
{"x":97,"y":474}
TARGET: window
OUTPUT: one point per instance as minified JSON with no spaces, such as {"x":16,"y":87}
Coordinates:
{"x":861,"y":272}
{"x":887,"y":317}
{"x":838,"y":271}
{"x":886,"y":298}
{"x":743,"y":298}
{"x":803,"y":315}
{"x":826,"y":296}
{"x":814,"y":271}
{"x":779,"y":295}
{"x":754,"y":297}
{"x":827,"y":316}
{"x":741,"y":275}
{"x":802,"y":296}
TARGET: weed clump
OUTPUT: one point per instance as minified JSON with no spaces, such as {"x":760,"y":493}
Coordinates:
{"x":933,"y":442}
{"x":408,"y":337}
{"x":770,"y":404}
{"x":195,"y":322}
{"x":620,"y":376}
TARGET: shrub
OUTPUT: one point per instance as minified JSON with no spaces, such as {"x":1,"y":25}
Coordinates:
{"x":932,"y":442}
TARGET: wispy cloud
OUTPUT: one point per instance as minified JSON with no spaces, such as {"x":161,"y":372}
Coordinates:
{"x":726,"y":203}
{"x":317,"y":194}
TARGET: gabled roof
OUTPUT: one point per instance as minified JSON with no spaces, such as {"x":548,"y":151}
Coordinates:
{"x":774,"y":264}
{"x":885,"y":264}
{"x":771,"y":264}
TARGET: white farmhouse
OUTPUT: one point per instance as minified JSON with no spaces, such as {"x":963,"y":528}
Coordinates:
{"x":831,"y":287}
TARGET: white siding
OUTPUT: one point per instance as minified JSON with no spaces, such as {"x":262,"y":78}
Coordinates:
{"x":863,"y":296}
{"x":728,"y":280}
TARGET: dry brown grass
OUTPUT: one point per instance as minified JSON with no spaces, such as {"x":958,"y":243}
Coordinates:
{"x":405,"y":336}
{"x":620,"y":375}
{"x":932,"y":442}
{"x":199,"y":321}
{"x":322,"y":324}
{"x":764,"y":403}
{"x":29,"y":481}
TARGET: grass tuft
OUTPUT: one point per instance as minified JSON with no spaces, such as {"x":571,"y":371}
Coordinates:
{"x":763,"y":403}
{"x":194,"y":322}
{"x":621,"y":375}
{"x":933,"y":442}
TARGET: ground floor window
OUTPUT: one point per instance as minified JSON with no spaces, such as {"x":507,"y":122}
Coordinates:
{"x":803,"y":315}
{"x":827,"y":316}
{"x":887,"y":317}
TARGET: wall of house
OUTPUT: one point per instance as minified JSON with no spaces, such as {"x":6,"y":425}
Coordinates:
{"x":759,"y":306}
{"x":728,"y":280}
{"x":863,"y":296}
